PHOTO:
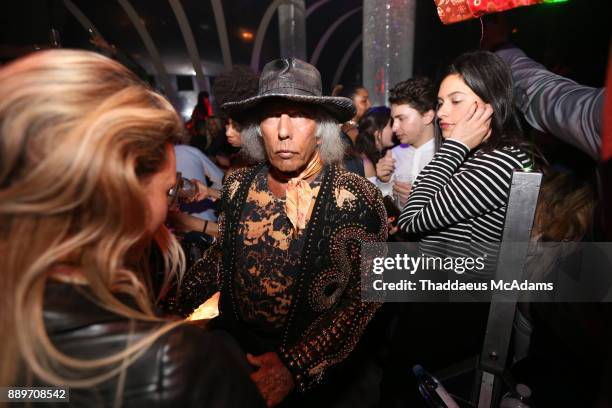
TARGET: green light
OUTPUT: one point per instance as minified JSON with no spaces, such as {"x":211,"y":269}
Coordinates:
{"x":556,"y":1}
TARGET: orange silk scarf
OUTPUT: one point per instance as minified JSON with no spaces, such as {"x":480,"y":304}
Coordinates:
{"x":299,"y":194}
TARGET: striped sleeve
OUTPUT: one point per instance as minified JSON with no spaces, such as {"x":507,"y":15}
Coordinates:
{"x":440,"y":199}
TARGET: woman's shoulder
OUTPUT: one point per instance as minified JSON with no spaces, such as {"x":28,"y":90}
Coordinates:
{"x":509,"y":156}
{"x":187,"y":365}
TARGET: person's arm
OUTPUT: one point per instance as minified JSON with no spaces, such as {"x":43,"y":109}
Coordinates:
{"x":203,"y":192}
{"x":182,"y":222}
{"x":203,"y":279}
{"x":438,"y":199}
{"x":200,"y":282}
{"x":556,"y":105}
{"x":331,"y":338}
{"x":214,"y":173}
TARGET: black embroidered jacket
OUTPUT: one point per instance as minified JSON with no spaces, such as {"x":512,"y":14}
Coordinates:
{"x":326,"y":316}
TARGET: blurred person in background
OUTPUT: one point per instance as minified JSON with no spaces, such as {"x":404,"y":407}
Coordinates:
{"x":361,"y":100}
{"x":413,"y":106}
{"x":374,"y":139}
{"x":240,"y":82}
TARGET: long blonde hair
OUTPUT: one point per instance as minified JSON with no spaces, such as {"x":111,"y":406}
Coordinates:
{"x":80,"y":135}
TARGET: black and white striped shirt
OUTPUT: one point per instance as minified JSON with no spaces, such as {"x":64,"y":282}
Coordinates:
{"x":461,"y":197}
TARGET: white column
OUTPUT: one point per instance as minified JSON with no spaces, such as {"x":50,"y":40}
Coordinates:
{"x":388,"y":45}
{"x":292,"y":29}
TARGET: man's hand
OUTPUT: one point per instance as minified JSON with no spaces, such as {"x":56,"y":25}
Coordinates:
{"x":203,"y":192}
{"x":475,"y":127}
{"x":402,"y":190}
{"x":385,"y":167}
{"x":273,"y":379}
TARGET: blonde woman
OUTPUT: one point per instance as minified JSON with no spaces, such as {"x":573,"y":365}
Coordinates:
{"x":86,"y":162}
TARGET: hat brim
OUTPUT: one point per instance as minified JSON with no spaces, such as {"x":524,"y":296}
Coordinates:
{"x":342,"y":109}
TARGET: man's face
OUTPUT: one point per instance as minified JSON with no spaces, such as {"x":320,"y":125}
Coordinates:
{"x":408,"y":123}
{"x":288,"y":131}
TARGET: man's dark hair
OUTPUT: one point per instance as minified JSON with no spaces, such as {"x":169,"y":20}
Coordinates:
{"x":418,"y":92}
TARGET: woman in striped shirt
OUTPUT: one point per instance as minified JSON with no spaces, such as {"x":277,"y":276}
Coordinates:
{"x":461,"y":195}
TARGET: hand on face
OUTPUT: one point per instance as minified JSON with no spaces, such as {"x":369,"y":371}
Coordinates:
{"x":462,"y":114}
{"x":475,"y":127}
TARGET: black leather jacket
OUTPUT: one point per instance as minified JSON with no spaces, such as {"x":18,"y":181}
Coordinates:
{"x":187,"y":367}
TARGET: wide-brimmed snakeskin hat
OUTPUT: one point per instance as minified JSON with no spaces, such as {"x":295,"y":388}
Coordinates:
{"x":294,"y":80}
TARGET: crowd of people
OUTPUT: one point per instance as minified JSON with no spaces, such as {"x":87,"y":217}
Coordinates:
{"x":117,"y":222}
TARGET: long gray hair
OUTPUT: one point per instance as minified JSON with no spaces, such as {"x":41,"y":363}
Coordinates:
{"x":331,"y":149}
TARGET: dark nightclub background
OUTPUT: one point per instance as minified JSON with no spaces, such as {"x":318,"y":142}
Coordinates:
{"x":571,"y":37}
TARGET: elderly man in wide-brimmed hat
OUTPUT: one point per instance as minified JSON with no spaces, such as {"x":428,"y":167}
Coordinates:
{"x":291,"y":230}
